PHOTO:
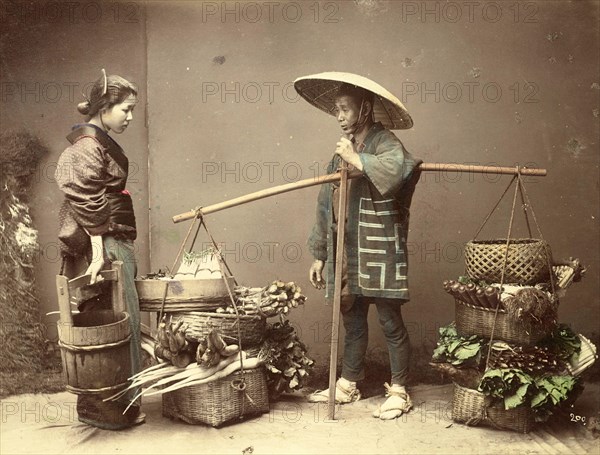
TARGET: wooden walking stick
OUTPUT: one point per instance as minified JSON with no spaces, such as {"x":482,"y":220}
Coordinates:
{"x":337,"y":289}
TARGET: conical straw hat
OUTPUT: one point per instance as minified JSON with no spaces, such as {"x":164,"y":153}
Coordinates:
{"x":320,"y":89}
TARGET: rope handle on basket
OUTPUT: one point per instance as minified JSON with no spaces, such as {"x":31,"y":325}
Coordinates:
{"x":198,"y":216}
{"x":519,"y":187}
{"x":241,"y":385}
{"x":525,"y":205}
{"x":223,"y":265}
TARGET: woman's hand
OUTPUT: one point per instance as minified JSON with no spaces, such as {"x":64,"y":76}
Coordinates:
{"x":316,"y":274}
{"x":97,"y":259}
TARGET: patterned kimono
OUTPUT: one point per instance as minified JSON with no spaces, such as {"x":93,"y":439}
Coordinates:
{"x":92,"y":174}
{"x":377,"y":219}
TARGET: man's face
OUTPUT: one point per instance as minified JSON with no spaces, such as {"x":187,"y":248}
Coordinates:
{"x":347,"y":111}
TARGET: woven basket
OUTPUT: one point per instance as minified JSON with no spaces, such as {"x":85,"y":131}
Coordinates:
{"x":528,"y":260}
{"x":474,"y":408}
{"x":220,"y":401}
{"x":252,"y":328}
{"x":476,"y":320}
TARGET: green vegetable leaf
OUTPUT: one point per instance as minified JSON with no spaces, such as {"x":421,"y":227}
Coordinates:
{"x":272,"y":369}
{"x":466,"y":352}
{"x":453,"y":345}
{"x":289,"y":372}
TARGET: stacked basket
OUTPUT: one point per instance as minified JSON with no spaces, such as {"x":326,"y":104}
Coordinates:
{"x":193,"y":302}
{"x":505,"y":327}
{"x":527,"y":262}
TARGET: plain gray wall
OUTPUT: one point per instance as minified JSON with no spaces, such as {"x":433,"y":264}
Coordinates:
{"x":223,"y":121}
{"x":50,"y":54}
{"x":212,"y":130}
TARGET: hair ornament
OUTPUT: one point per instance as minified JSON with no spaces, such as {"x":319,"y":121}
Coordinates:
{"x":105,"y":82}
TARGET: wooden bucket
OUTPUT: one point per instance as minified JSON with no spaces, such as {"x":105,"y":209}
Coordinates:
{"x":95,"y":351}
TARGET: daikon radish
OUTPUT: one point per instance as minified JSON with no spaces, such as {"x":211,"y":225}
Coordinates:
{"x":249,"y":364}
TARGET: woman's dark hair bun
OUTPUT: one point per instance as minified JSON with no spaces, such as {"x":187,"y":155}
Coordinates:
{"x":84,"y":107}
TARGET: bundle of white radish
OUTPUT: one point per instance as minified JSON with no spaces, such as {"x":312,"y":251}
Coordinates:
{"x":163,"y":378}
{"x":271,"y":300}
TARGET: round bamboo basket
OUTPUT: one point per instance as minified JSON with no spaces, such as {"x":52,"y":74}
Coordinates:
{"x":217,"y":402}
{"x":474,"y":408}
{"x":528,"y":260}
{"x":476,"y":320}
{"x":200,"y":324}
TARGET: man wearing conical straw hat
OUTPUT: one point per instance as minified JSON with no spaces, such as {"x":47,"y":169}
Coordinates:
{"x":375,"y":265}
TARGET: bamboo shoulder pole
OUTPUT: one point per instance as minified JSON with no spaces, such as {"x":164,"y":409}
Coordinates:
{"x":427,"y":167}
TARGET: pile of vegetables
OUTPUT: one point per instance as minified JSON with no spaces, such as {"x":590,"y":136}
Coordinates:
{"x":530,"y":359}
{"x":528,"y":305}
{"x":171,"y":344}
{"x":510,"y":385}
{"x":272,"y":300}
{"x":457,"y":350}
{"x":186,"y":363}
{"x":515,"y":388}
{"x":477,"y":293}
{"x":285,"y":359}
{"x":164,"y":377}
{"x":563,"y":342}
{"x":535,"y":376}
{"x":213,"y":348}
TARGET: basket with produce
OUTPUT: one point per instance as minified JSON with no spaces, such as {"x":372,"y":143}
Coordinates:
{"x":198,"y":285}
{"x":200,"y":324}
{"x":518,"y":314}
{"x":475,"y":320}
{"x":474,"y":408}
{"x":218,"y":402}
{"x":515,"y":386}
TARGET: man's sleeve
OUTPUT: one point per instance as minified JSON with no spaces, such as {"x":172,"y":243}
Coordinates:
{"x":80,"y":175}
{"x":389,"y":167}
{"x":317,"y":241}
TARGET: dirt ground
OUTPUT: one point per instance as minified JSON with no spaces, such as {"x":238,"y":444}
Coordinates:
{"x":48,"y":424}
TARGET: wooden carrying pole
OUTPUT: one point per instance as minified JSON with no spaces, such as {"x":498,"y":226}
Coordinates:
{"x":429,"y":167}
{"x":337,"y":289}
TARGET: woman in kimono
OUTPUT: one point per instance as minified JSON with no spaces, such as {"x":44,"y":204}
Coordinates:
{"x":97,"y":223}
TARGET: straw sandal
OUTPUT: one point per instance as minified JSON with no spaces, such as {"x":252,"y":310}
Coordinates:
{"x":398,"y":402}
{"x":342,"y":395}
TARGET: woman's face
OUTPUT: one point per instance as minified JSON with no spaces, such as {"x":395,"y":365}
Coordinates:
{"x":117,"y":117}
